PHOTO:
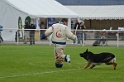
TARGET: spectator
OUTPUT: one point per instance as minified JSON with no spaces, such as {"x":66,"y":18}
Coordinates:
{"x":82,"y":27}
{"x":1,"y":29}
{"x":32,"y":33}
{"x":17,"y":35}
{"x":77,"y":26}
{"x":42,"y":26}
{"x":26,"y":32}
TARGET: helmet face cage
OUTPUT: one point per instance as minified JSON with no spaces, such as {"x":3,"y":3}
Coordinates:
{"x":58,"y":65}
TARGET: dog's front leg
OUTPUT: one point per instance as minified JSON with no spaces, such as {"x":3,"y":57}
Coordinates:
{"x":88,"y":64}
{"x":92,"y":66}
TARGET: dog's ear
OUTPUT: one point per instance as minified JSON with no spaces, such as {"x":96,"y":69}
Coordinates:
{"x":86,"y":50}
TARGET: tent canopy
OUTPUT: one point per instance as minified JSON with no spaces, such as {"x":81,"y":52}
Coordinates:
{"x":42,"y":8}
{"x":12,"y":10}
{"x":99,"y":12}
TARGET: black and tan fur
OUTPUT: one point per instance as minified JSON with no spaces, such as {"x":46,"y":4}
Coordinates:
{"x":96,"y":59}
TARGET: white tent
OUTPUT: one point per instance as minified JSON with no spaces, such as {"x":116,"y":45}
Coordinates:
{"x":11,"y":10}
{"x":99,"y":12}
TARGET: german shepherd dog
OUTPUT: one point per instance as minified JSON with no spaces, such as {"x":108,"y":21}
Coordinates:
{"x":96,"y":59}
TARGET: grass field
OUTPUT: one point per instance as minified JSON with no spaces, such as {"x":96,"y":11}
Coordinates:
{"x":36,"y":64}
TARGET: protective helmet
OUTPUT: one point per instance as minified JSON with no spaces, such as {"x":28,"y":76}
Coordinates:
{"x":58,"y":65}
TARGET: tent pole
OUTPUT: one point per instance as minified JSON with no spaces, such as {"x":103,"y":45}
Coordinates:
{"x":90,"y":24}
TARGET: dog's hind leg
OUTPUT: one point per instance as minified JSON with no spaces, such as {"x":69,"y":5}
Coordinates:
{"x":112,"y":62}
{"x":114,"y":65}
{"x":92,"y":66}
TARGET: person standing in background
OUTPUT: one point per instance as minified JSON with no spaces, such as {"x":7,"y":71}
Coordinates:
{"x":42,"y":26}
{"x":26,"y":32}
{"x":32,"y":33}
{"x":77,"y":27}
{"x":82,"y":33}
{"x":1,"y":29}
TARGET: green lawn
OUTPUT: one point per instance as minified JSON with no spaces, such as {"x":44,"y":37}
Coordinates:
{"x":36,"y":64}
